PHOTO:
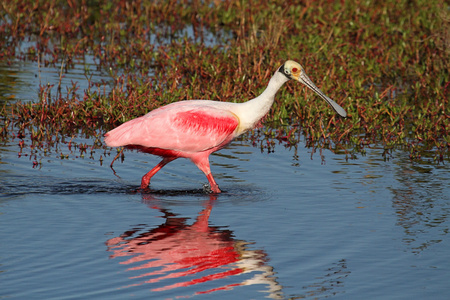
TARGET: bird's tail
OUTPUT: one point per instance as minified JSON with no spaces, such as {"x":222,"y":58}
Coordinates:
{"x":122,"y":135}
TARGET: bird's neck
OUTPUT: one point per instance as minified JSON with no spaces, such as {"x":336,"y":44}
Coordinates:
{"x":254,"y":110}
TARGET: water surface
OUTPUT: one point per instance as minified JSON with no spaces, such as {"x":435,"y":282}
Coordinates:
{"x":289,"y":225}
{"x":285,"y":227}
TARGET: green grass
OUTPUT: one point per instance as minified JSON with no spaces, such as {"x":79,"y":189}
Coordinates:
{"x":387,"y":63}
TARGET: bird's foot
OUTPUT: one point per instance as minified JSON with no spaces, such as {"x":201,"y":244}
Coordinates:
{"x":144,"y":190}
{"x":211,"y":189}
{"x":145,"y":183}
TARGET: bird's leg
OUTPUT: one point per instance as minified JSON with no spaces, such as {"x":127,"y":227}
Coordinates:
{"x":214,"y":186}
{"x":202,"y":162}
{"x":146,"y":178}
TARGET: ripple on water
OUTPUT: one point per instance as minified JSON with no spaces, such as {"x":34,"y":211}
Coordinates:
{"x":51,"y":245}
{"x":73,"y":228}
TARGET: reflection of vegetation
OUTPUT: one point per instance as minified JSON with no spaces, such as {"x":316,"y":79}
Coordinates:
{"x":7,"y":83}
{"x":385,"y":62}
{"x":329,"y":284}
{"x":420,"y":205}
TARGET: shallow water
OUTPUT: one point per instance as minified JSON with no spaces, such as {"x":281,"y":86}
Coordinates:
{"x":20,"y":80}
{"x":287,"y":226}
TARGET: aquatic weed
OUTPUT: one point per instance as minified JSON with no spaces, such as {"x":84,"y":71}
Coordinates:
{"x":385,"y":63}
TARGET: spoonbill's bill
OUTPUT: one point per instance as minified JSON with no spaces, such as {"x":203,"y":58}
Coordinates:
{"x":196,"y":128}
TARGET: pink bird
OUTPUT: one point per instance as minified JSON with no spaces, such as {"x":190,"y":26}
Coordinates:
{"x":196,"y":128}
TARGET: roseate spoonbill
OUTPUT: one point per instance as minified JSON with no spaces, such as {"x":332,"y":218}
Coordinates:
{"x":196,"y":128}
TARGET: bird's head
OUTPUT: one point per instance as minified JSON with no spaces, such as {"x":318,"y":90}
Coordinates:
{"x":294,"y":70}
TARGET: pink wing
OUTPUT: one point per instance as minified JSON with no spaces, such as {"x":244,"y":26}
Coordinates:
{"x":183,"y":126}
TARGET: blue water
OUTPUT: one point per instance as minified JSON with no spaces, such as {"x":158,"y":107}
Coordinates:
{"x":21,"y":79}
{"x":286,"y":226}
{"x":289,"y":225}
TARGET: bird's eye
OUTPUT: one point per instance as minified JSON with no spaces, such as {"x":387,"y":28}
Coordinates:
{"x":294,"y":70}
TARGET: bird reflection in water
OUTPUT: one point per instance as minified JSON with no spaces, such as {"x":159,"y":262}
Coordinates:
{"x":192,"y":254}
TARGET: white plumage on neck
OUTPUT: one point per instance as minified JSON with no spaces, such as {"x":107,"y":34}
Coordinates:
{"x":252,"y":111}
